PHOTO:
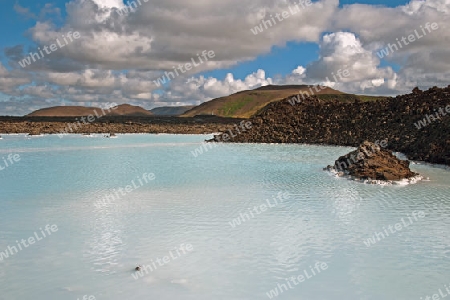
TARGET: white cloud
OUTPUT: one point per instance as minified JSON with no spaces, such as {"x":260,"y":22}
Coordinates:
{"x":376,"y":27}
{"x":160,"y":34}
{"x":118,"y":56}
{"x":202,"y":88}
{"x":343,"y":52}
{"x":10,"y":81}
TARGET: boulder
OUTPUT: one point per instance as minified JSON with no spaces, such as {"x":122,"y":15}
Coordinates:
{"x":372,"y":162}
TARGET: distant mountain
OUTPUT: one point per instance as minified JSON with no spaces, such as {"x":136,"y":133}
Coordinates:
{"x":78,"y":111}
{"x":171,"y":110}
{"x":244,"y":104}
{"x":129,"y":110}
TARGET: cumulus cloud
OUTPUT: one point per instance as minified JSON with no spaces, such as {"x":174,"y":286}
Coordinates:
{"x":11,"y":80}
{"x":161,"y":34}
{"x":377,"y":27}
{"x":200,"y":89}
{"x":345,"y":63}
{"x":47,"y":11}
{"x":118,"y":55}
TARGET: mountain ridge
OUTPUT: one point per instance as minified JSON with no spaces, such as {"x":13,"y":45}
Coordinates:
{"x":81,"y":111}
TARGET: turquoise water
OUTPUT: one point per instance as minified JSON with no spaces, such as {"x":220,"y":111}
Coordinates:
{"x":191,"y":202}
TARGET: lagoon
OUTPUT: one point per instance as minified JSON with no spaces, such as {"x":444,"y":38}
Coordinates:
{"x":191,"y":201}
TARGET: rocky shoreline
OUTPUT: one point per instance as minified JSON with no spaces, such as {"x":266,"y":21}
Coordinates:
{"x":416,"y":124}
{"x":173,"y":125}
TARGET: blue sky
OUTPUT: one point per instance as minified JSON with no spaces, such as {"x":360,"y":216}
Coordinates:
{"x":122,"y":56}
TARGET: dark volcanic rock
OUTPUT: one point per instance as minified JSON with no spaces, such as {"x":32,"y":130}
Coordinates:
{"x":314,"y":121}
{"x":116,"y":124}
{"x":369,"y":161}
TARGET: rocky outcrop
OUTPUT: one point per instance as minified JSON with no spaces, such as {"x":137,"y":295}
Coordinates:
{"x":315,"y":121}
{"x":371,"y":162}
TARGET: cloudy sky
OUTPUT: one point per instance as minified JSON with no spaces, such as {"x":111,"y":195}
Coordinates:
{"x":89,"y":52}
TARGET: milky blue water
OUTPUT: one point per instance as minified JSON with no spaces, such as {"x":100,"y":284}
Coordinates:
{"x":192,"y":201}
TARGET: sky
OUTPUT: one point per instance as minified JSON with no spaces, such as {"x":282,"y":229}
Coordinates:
{"x":155,"y":53}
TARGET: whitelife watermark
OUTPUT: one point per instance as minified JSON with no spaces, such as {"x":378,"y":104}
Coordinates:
{"x":188,"y":66}
{"x":71,"y":127}
{"x":378,"y":236}
{"x":339,"y":76}
{"x":340,"y":166}
{"x":439,"y":295}
{"x":161,"y":262}
{"x":130,"y":7}
{"x":34,"y":56}
{"x":278,"y":290}
{"x":244,"y":125}
{"x":281,"y":196}
{"x":114,"y":195}
{"x":293,"y":10}
{"x":391,"y":48}
{"x":9,"y":161}
{"x":12,"y":250}
{"x":432,"y":118}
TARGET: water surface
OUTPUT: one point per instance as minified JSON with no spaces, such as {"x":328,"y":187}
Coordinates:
{"x":192,"y":200}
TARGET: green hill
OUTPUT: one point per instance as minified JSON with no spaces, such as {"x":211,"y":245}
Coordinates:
{"x":247,"y":103}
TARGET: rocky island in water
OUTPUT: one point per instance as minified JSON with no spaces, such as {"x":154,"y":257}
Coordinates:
{"x":370,"y":163}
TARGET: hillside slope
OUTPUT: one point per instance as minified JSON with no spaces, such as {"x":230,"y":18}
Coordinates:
{"x":78,"y":111}
{"x":247,"y":103}
{"x":129,"y":110}
{"x":171,"y":110}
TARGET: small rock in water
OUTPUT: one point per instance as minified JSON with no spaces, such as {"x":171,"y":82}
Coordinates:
{"x":370,"y":162}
